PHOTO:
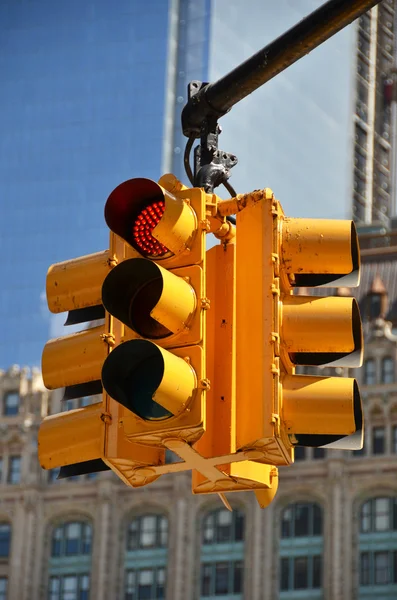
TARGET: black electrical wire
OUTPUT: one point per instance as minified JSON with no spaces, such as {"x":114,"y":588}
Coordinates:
{"x":230,"y":189}
{"x":186,"y":159}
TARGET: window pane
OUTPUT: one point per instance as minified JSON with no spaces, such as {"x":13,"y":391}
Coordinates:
{"x":14,"y":469}
{"x":85,"y":582}
{"x":284,"y":574}
{"x":317,"y":571}
{"x":160,"y":587}
{"x":209,"y":529}
{"x":300,"y":573}
{"x":286,"y":523}
{"x":378,"y":440}
{"x":301,"y":520}
{"x":5,"y":539}
{"x":206,"y":580}
{"x":387,"y":370}
{"x":70,"y":583}
{"x":366,"y":517}
{"x":132,"y":537}
{"x":130,"y":582}
{"x":221,"y":578}
{"x":145,"y":584}
{"x":317,"y":520}
{"x":238,"y":526}
{"x":56,"y":542}
{"x":87,"y":539}
{"x":369,"y":372}
{"x":364,"y":569}
{"x":224,"y":526}
{"x":11,"y":403}
{"x":238,"y":577}
{"x":382,"y":570}
{"x":148,"y":531}
{"x":382,"y":520}
{"x":73,"y":538}
{"x":163,"y":531}
{"x":69,"y":588}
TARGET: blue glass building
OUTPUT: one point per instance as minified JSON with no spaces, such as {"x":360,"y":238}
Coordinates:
{"x":91,"y":95}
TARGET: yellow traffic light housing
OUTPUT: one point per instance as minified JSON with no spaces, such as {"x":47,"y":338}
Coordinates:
{"x":278,"y":330}
{"x":157,"y":294}
{"x":198,"y":349}
{"x":84,"y":440}
{"x":75,"y":361}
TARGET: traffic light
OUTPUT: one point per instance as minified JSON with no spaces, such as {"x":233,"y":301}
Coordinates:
{"x":71,"y":440}
{"x":156,"y":370}
{"x":278,"y":330}
{"x":86,"y":439}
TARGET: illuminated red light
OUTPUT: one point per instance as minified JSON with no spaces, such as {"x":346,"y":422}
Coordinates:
{"x":145,"y":222}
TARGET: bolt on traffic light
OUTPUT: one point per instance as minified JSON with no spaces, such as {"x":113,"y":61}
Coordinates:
{"x":278,"y":330}
{"x":157,"y":294}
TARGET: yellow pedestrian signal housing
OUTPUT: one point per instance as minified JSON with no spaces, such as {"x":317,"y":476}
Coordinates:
{"x":157,"y":294}
{"x":278,"y":330}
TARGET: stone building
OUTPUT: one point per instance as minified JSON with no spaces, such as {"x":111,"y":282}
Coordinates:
{"x":331,"y":533}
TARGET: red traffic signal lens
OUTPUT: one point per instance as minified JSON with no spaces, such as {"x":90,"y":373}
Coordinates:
{"x":133,"y":210}
{"x":144,"y":223}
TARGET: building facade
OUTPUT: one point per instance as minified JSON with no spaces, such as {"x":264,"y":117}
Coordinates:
{"x":374,"y":119}
{"x":330,"y":534}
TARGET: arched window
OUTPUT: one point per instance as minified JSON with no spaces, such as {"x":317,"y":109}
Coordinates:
{"x":378,"y":514}
{"x":299,"y":520}
{"x":147,"y":531}
{"x":222,"y":526}
{"x":70,"y":561}
{"x":5,"y":540}
{"x":378,"y":546}
{"x":369,"y":372}
{"x":71,"y":539}
{"x":222,"y":554}
{"x":301,"y":548}
{"x":387,"y":372}
{"x":146,"y":557}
